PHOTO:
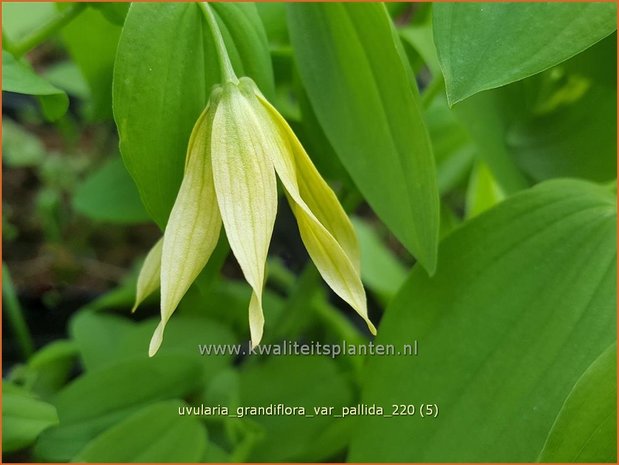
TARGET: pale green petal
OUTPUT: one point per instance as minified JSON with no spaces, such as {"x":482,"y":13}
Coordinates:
{"x":246,"y":189}
{"x":317,"y":194}
{"x":193,"y":228}
{"x":149,"y":278}
{"x":338,"y":267}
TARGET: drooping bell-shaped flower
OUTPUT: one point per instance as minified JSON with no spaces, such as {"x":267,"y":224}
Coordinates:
{"x":238,"y":148}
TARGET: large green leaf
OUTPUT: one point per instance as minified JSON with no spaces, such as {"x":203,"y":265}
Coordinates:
{"x":165,"y":67}
{"x":156,"y":433}
{"x":586,"y":428}
{"x":97,"y":400}
{"x":20,"y":78}
{"x":24,"y":417}
{"x":486,"y":45}
{"x":522,"y":303}
{"x":360,"y":88}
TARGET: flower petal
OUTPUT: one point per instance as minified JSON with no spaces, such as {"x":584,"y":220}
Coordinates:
{"x":317,"y":194}
{"x":193,"y":228}
{"x":246,"y":189}
{"x":149,"y":278}
{"x":332,"y":245}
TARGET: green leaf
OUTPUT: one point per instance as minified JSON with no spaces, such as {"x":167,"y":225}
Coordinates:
{"x":50,"y":367}
{"x":92,"y":331}
{"x":487,"y":45}
{"x":67,"y":76}
{"x":486,"y":118}
{"x":523,"y":301}
{"x":559,"y":123}
{"x":380,"y":269}
{"x":273,"y":16}
{"x":101,"y":398}
{"x":569,"y":128}
{"x":91,"y":41}
{"x":294,"y":381}
{"x":165,"y":67}
{"x":24,"y":417}
{"x":586,"y":428}
{"x":109,"y":194}
{"x":420,"y":38}
{"x":483,"y":192}
{"x":156,"y":433}
{"x":18,"y":77}
{"x":370,"y":112}
{"x":115,"y":12}
{"x":20,"y":148}
{"x":454,"y":151}
{"x":21,"y":18}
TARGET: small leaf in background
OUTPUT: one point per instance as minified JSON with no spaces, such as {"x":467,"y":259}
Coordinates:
{"x":99,"y":399}
{"x":523,"y":302}
{"x":156,"y":433}
{"x":569,"y":125}
{"x":419,"y":37}
{"x":487,"y":45}
{"x":559,"y":123}
{"x":483,"y":192}
{"x":273,"y":16}
{"x":20,"y":148}
{"x":68,"y":77}
{"x":21,"y":18}
{"x":371,"y":114}
{"x":91,"y":41}
{"x":381,"y":271}
{"x":166,"y":65}
{"x":49,"y":369}
{"x":109,"y":194}
{"x":92,"y":332}
{"x":24,"y":417}
{"x":485,"y":117}
{"x":18,"y":77}
{"x":454,"y":150}
{"x":115,"y":12}
{"x":586,"y":428}
{"x":294,"y":381}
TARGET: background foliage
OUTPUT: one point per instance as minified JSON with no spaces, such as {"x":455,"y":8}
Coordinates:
{"x":476,"y":139}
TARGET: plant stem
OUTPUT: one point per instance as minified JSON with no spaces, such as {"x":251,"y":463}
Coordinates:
{"x":15,"y":315}
{"x":48,"y":29}
{"x":432,"y":90}
{"x":227,"y":71}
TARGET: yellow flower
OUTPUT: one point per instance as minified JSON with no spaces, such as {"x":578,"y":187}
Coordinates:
{"x":237,"y":147}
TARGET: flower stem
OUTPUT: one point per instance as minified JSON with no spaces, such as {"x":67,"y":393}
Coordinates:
{"x":47,"y":30}
{"x":14,"y":313}
{"x":227,"y":71}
